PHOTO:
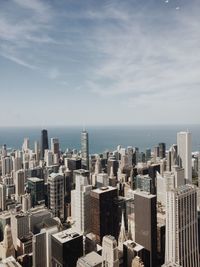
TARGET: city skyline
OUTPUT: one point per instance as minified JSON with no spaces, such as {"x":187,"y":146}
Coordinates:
{"x":102,"y":62}
{"x":119,"y":208}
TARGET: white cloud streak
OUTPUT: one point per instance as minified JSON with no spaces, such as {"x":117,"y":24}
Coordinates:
{"x":143,"y":57}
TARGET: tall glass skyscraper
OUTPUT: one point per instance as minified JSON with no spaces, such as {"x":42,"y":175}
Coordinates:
{"x":85,"y":149}
{"x":44,"y":142}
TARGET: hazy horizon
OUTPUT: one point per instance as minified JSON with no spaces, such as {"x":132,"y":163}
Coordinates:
{"x":102,"y":138}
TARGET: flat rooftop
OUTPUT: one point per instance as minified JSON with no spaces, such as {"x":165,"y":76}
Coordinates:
{"x":35,"y":179}
{"x":137,"y":247}
{"x":183,"y":189}
{"x":104,"y":189}
{"x":66,"y":235}
{"x":92,"y":259}
{"x":144,"y":194}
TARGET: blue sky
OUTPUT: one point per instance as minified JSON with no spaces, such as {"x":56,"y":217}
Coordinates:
{"x":97,"y":62}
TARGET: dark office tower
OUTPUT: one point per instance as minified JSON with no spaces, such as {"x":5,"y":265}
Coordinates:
{"x":146,"y":226}
{"x":162,"y":150}
{"x":85,"y":149}
{"x":104,"y":211}
{"x":74,"y":164}
{"x":135,"y":155}
{"x":36,"y":190}
{"x":153,"y":169}
{"x":148,"y":154}
{"x":67,"y":247}
{"x":44,"y":142}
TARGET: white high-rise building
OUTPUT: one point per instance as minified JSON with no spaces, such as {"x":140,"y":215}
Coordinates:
{"x":25,"y":146}
{"x":26,"y":202}
{"x":17,"y":163}
{"x":4,"y":150}
{"x":184,"y":143}
{"x":48,"y":157}
{"x":37,"y":150}
{"x":6,"y":165}
{"x":56,"y":194}
{"x":182,"y":227}
{"x":110,"y":251}
{"x":81,"y":201}
{"x":19,"y":227}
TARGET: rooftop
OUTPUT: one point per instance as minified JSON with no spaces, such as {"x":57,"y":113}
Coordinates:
{"x":91,"y":259}
{"x":35,"y":179}
{"x":184,"y":189}
{"x":103,"y":189}
{"x":66,"y":235}
{"x":137,"y":247}
{"x":54,"y":175}
{"x":144,"y":194}
{"x":81,"y":171}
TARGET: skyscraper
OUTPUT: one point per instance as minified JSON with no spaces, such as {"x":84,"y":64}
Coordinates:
{"x":44,"y":142}
{"x":56,"y":194}
{"x":55,"y":145}
{"x":39,"y":250}
{"x":162,"y":148}
{"x":85,"y":149}
{"x":182,"y":227}
{"x":7,"y":165}
{"x":146,"y":225}
{"x":19,"y":227}
{"x":81,"y":204}
{"x":67,"y":247}
{"x":184,"y":143}
{"x":36,"y":190}
{"x":2,"y":196}
{"x":110,"y":251}
{"x":104,"y":212}
{"x":19,"y":183}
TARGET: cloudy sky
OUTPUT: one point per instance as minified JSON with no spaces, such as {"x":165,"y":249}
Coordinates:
{"x":75,"y":62}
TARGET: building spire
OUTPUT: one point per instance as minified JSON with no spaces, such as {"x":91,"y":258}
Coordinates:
{"x":122,"y":235}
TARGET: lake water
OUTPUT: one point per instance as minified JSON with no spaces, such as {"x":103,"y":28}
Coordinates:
{"x":102,"y":138}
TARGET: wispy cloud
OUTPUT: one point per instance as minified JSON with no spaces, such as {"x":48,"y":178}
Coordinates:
{"x":19,"y":61}
{"x":17,"y":34}
{"x":147,"y":53}
{"x":40,"y":8}
{"x":129,"y":53}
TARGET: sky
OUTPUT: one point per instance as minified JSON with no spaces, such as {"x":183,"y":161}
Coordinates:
{"x":99,"y":62}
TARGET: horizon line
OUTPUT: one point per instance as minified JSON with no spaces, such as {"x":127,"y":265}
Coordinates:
{"x":98,"y":125}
